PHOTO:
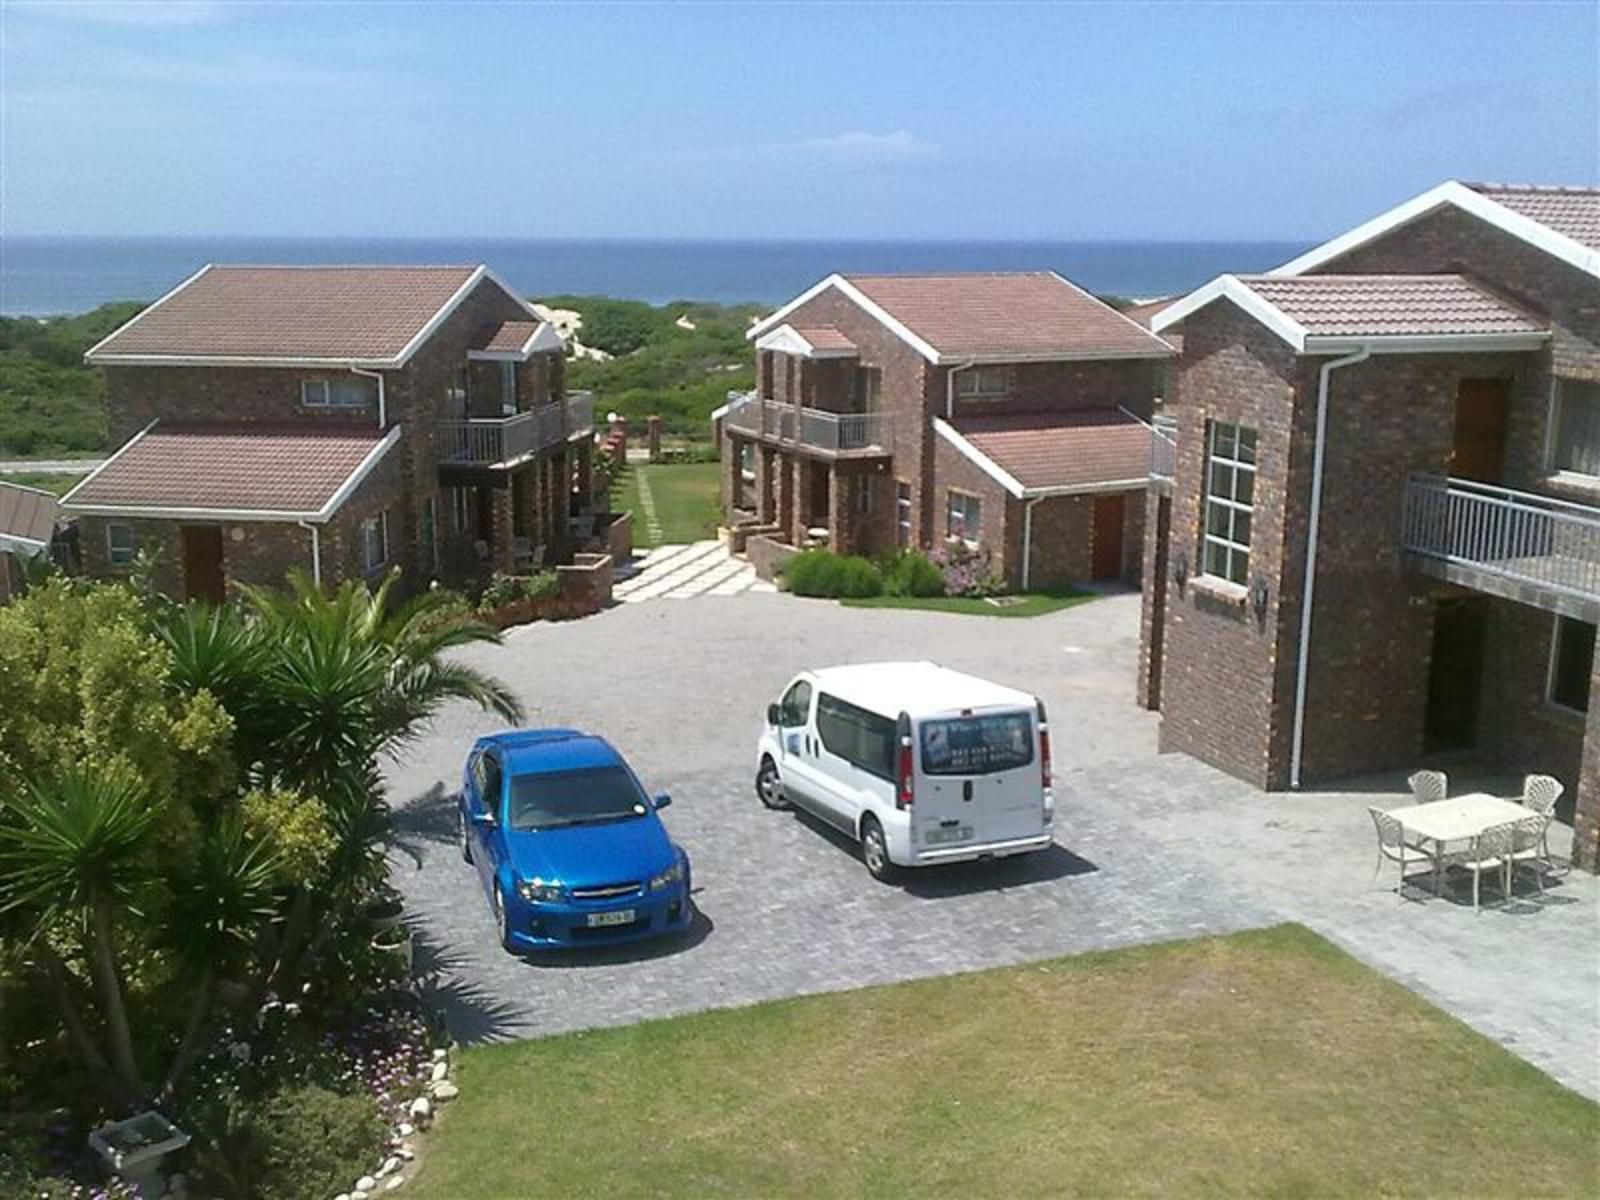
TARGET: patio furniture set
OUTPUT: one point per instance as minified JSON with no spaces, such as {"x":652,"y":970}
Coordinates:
{"x":1477,"y":833}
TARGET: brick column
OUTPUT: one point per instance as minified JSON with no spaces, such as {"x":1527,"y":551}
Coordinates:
{"x":585,"y":452}
{"x":560,"y":506}
{"x":1586,"y":810}
{"x":500,"y":516}
{"x":840,"y":540}
{"x":728,"y":475}
{"x":653,"y":433}
{"x":766,"y":506}
{"x":1153,"y":602}
{"x":799,"y":499}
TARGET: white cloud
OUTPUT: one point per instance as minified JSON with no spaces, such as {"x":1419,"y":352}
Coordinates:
{"x":863,"y":148}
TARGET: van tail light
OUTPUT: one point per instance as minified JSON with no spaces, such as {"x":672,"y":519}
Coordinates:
{"x":905,"y":779}
{"x":1044,"y":748}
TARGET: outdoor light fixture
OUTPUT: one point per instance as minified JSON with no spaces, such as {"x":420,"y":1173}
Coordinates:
{"x":1258,"y":594}
{"x":1180,"y":567}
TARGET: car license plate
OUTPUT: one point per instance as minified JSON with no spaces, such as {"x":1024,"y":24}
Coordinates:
{"x":621,"y":916}
{"x":941,"y":837}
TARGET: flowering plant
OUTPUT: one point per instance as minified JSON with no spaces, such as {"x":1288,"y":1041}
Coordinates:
{"x":966,"y":569}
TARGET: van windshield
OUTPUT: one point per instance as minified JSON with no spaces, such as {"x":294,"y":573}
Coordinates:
{"x":978,"y":745}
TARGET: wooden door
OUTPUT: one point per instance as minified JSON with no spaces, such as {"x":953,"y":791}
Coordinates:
{"x":202,"y":563}
{"x":1479,"y":451}
{"x":1108,"y":521}
{"x":1455,"y":673}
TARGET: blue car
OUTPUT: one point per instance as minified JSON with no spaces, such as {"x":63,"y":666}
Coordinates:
{"x":568,"y":844}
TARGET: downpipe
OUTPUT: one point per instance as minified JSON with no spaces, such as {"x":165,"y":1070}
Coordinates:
{"x":316,"y":551}
{"x":383,"y":409}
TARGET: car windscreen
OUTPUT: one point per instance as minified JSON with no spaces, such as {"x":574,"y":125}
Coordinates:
{"x":977,"y":745}
{"x":556,"y":798}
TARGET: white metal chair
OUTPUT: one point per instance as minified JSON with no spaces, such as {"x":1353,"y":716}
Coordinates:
{"x":1490,"y":851}
{"x":1539,"y":794}
{"x":1392,"y":848}
{"x":1528,"y":847}
{"x":1428,"y":786}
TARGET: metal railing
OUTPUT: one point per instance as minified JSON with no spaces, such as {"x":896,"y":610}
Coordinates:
{"x":814,"y":427}
{"x":1517,"y":536}
{"x":1163,"y":447}
{"x":491,"y":440}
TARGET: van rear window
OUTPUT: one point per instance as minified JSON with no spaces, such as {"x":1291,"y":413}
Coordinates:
{"x":977,"y":745}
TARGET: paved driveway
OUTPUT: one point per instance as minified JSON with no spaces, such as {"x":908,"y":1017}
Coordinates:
{"x":1148,"y":848}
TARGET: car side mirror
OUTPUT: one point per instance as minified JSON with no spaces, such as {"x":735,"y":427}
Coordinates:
{"x":662,"y":801}
{"x":485,"y":818}
{"x":774,"y":715}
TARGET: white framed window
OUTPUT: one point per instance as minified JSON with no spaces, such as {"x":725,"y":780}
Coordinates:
{"x":902,"y":513}
{"x":508,"y":387}
{"x":983,"y":382}
{"x":375,"y":542}
{"x":1571,"y":664}
{"x":963,"y":517}
{"x":1575,"y":427}
{"x":1230,"y":500}
{"x":120,"y":547}
{"x":351,"y":392}
{"x":461,"y":508}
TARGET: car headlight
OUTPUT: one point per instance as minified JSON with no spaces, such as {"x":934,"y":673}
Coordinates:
{"x":672,"y":875}
{"x":536,"y":890}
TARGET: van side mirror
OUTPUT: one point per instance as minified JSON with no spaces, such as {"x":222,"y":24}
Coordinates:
{"x":662,"y":800}
{"x":774,"y":715}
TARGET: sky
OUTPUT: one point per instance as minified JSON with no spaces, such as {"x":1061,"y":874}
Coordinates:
{"x":854,"y":120}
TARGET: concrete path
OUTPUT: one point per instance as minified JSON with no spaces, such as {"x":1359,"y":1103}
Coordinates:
{"x":680,"y":572}
{"x":49,"y":466}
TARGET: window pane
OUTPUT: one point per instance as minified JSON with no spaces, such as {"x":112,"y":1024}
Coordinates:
{"x":1244,"y":486}
{"x":1217,"y":523}
{"x":1573,"y":665}
{"x":1238,"y":565}
{"x":1224,"y":440}
{"x":1216,"y":559}
{"x":1247,"y":445}
{"x":1241,"y":526}
{"x":1221,"y":479}
{"x":977,"y":745}
{"x":1578,"y":427}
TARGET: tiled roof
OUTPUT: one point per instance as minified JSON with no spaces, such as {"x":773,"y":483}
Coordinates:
{"x":240,"y":468}
{"x":1391,"y":305}
{"x":1024,"y":314}
{"x":1573,"y":212}
{"x":512,"y":336}
{"x":26,"y":513}
{"x":294,"y":313}
{"x":1141,"y":313}
{"x":824,"y":337}
{"x":1066,"y":449}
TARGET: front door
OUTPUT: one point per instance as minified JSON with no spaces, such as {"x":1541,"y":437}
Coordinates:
{"x":202,"y":563}
{"x":1479,"y":451}
{"x":1455,"y":673}
{"x":1108,"y":517}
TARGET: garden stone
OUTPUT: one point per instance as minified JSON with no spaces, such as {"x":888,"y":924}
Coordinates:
{"x":405,"y":1129}
{"x":406,"y":1152}
{"x":366,"y":1184}
{"x":440,"y":1071}
{"x":440,"y":1055}
{"x":421,"y":1109}
{"x":394,"y":1183}
{"x":390,"y":1166}
{"x":342,"y":1196}
{"x":446,"y":1091}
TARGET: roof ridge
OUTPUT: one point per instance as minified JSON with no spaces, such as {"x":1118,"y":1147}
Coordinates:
{"x":946,"y":274}
{"x":1554,"y":189}
{"x":248,"y":266}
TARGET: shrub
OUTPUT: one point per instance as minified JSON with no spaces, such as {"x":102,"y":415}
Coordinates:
{"x":542,"y":585}
{"x":913,"y":574}
{"x":824,"y":573}
{"x":966,"y":570}
{"x":303,"y":1140}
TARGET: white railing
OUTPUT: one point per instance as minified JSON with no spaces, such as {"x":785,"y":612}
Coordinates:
{"x":1517,"y":536}
{"x":814,"y":427}
{"x":489,"y":440}
{"x":1163,"y":447}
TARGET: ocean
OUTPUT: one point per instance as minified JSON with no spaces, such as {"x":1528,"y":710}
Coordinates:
{"x":43,"y":276}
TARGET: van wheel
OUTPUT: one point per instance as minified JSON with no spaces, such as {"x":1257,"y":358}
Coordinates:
{"x":875,"y":850}
{"x":770,"y":788}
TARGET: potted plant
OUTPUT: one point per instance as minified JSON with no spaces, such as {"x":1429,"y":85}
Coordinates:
{"x":396,"y":941}
{"x":384,"y":910}
{"x":136,"y":1148}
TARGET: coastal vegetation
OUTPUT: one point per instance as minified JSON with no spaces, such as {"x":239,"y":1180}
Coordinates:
{"x":51,"y":404}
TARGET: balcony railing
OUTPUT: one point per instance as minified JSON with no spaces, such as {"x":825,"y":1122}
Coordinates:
{"x":488,"y":441}
{"x":1163,"y":447}
{"x":836,"y":433}
{"x":1518,"y":537}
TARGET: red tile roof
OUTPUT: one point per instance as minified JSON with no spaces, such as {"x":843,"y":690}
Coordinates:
{"x":1035,"y":314}
{"x":293,"y":313}
{"x":26,"y":514}
{"x":1391,"y":305}
{"x":236,"y":468}
{"x":1084,"y":448}
{"x":824,"y":337}
{"x":1141,"y":313}
{"x":512,"y":336}
{"x":1573,"y":212}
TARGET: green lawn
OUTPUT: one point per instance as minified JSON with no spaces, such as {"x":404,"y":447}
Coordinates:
{"x":1032,"y":604}
{"x":687,"y":499}
{"x":1267,"y":1062}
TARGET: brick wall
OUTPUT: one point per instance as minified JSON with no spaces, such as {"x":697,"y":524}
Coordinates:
{"x":1131,"y":383}
{"x":1153,"y":603}
{"x":999,"y":532}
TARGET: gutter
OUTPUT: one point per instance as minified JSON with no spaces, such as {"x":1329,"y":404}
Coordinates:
{"x":1308,"y":592}
{"x":383,"y":408}
{"x":950,"y":386}
{"x":316,"y":551}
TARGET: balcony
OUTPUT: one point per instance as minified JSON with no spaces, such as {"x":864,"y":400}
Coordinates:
{"x":505,"y":441}
{"x":829,"y":433}
{"x":1163,"y":448}
{"x":1533,"y":549}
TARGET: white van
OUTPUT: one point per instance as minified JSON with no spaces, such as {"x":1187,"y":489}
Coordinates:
{"x":920,"y":764}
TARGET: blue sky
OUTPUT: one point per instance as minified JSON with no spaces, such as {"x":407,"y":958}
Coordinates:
{"x":766,"y":120}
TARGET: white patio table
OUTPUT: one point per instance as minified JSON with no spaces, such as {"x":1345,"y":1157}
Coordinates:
{"x":1456,"y":820}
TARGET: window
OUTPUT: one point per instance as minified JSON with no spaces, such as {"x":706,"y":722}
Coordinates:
{"x":963,"y":517}
{"x":120,"y":549}
{"x":456,"y":394}
{"x":1230,"y":495}
{"x":795,"y":707}
{"x":861,"y":493}
{"x":375,"y":542}
{"x":1575,"y":445}
{"x":983,"y":381}
{"x":461,"y":505}
{"x":977,"y":745}
{"x":429,"y":536}
{"x":863,"y":739}
{"x":508,"y":388}
{"x":1571,"y":663}
{"x":352,"y":392}
{"x":902,"y":513}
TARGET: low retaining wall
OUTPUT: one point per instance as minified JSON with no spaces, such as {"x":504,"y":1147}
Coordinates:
{"x":738,"y":536}
{"x":767,"y":554}
{"x":585,"y":589}
{"x":619,"y":537}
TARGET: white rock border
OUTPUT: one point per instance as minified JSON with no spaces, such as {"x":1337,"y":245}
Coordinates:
{"x":398,"y":1151}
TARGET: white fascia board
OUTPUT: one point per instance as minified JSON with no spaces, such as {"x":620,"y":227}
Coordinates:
{"x":225,"y":360}
{"x":449,"y":306}
{"x":11,"y":543}
{"x":978,"y":360}
{"x":89,"y":354}
{"x":720,"y":411}
{"x":776,"y":319}
{"x":1229,"y":287}
{"x":94,"y":474}
{"x":786,"y":339}
{"x":1486,"y":209}
{"x":862,"y":301}
{"x":489,"y":273}
{"x":978,"y":458}
{"x":1485,"y":343}
{"x":355,"y":478}
{"x":543,"y":340}
{"x":1087,"y":489}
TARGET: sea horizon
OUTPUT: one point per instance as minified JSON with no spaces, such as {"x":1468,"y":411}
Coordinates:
{"x":58,"y":275}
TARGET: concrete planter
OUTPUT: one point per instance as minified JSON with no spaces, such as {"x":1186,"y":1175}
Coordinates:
{"x":136,"y":1149}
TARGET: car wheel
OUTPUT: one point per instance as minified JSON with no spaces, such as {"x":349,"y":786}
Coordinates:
{"x":461,"y":834}
{"x":875,"y":850}
{"x":502,"y":923}
{"x":770,"y":787}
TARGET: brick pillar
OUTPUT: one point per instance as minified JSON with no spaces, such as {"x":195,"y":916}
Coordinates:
{"x":1586,"y":811}
{"x":560,"y":507}
{"x":585,"y":453}
{"x":840,"y":540}
{"x":653,"y":433}
{"x":731,"y":478}
{"x":799,"y":499}
{"x":500,"y":516}
{"x":1153,"y":603}
{"x":771,"y":489}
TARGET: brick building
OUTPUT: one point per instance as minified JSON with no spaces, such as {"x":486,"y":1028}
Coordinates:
{"x":1006,"y":410}
{"x":340,"y":420}
{"x":1379,"y":538}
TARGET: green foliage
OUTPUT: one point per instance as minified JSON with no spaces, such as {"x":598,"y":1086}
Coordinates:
{"x":824,"y":573}
{"x":502,"y":590}
{"x":298,"y":1142}
{"x":910,"y":573}
{"x":298,"y":828}
{"x":50,"y":402}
